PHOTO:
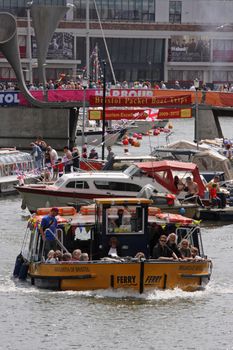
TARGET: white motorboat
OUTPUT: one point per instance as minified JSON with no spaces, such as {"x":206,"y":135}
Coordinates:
{"x":82,"y":188}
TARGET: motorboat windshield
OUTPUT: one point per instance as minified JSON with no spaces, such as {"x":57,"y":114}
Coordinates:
{"x":133,"y":170}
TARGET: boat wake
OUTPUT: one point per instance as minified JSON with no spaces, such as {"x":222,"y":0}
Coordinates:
{"x":11,"y":285}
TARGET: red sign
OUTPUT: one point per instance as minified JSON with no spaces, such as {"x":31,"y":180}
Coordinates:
{"x":111,"y":101}
{"x":117,"y":114}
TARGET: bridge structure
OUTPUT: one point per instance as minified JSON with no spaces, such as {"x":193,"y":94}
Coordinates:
{"x":54,"y":113}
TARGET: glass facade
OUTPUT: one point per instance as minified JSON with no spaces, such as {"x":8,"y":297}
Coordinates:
{"x":17,"y":7}
{"x":118,"y":10}
{"x":132,"y":59}
{"x":222,"y":50}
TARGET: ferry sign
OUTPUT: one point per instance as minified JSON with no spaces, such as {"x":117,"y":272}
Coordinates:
{"x":110,"y":101}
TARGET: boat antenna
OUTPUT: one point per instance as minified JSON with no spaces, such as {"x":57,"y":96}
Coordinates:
{"x":105,"y":43}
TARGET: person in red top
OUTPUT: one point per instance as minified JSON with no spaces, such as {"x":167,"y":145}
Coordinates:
{"x":58,"y":169}
{"x":215,"y":200}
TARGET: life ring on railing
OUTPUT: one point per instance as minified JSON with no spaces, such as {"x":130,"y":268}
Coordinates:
{"x":153,"y":211}
{"x":62,"y":211}
{"x":88,"y":210}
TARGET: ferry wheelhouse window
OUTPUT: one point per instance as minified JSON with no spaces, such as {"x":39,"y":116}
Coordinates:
{"x":77,"y":184}
{"x":129,"y":221}
{"x":175,"y":9}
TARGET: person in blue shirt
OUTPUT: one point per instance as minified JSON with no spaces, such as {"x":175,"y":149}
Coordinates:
{"x":48,"y":228}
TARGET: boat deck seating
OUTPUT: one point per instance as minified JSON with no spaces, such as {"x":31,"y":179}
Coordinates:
{"x":128,"y":249}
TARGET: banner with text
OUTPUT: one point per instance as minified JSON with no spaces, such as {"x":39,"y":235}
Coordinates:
{"x":97,"y":101}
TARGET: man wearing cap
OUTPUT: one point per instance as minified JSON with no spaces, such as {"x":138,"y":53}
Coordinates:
{"x":48,"y":228}
{"x":93,"y":154}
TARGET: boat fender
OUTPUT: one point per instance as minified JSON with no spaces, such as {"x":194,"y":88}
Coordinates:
{"x":156,"y":132}
{"x":18,"y":263}
{"x":136,"y":144}
{"x":182,"y":211}
{"x":125,"y":142}
{"x":24,"y":271}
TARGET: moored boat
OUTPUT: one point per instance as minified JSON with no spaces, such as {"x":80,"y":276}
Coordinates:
{"x":82,"y":188}
{"x":92,"y":233}
{"x":16,"y":168}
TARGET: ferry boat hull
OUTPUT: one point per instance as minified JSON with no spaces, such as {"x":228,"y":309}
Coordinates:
{"x":138,"y":276}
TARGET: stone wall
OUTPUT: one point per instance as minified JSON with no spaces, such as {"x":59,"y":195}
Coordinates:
{"x":20,"y":126}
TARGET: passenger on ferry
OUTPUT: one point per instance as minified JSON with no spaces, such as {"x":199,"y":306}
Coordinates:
{"x":185,"y":249}
{"x":114,"y":249}
{"x":179,"y":185}
{"x":48,"y":230}
{"x":194,"y":254}
{"x":51,"y":257}
{"x":67,"y":160}
{"x":140,"y":256}
{"x":162,"y":252}
{"x":76,"y":254}
{"x":84,"y":257}
{"x":193,"y":191}
{"x":172,"y":244}
{"x":67,"y":257}
{"x":93,"y":154}
{"x":76,"y":158}
{"x":58,"y":255}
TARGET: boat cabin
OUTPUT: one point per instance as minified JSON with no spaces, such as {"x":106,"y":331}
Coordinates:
{"x":12,"y":162}
{"x":135,"y":225}
{"x":163,"y":172}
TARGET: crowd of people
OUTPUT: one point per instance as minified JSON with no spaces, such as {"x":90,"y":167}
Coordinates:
{"x":167,"y":248}
{"x":139,"y":84}
{"x":52,"y":165}
{"x":216,"y":197}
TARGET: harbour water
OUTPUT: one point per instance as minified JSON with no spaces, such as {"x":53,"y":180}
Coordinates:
{"x":40,"y":319}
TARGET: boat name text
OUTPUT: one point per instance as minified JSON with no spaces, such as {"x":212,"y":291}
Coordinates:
{"x":71,"y":269}
{"x":126,"y":279}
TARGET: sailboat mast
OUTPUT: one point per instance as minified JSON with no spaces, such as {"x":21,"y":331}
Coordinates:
{"x":88,"y":39}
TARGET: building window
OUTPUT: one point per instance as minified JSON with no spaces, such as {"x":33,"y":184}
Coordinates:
{"x":118,"y":10}
{"x":175,"y":9}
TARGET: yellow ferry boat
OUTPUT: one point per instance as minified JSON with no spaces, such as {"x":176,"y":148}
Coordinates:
{"x":92,"y":229}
